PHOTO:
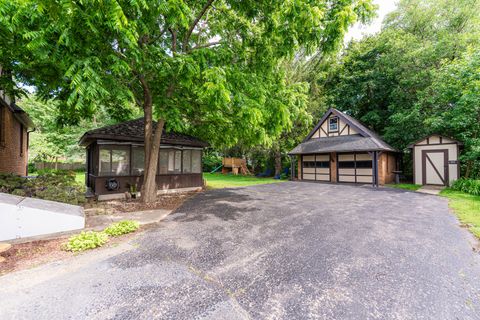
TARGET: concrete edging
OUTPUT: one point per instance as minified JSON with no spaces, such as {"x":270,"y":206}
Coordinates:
{"x":121,"y":196}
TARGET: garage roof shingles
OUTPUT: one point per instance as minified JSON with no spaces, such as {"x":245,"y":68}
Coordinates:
{"x":338,"y":144}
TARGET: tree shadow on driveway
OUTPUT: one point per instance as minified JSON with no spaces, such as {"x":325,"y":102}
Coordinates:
{"x":224,"y":204}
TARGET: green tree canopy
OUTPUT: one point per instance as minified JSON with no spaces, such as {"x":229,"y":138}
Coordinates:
{"x":204,"y":66}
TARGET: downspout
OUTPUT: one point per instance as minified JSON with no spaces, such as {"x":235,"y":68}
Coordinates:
{"x":28,"y":144}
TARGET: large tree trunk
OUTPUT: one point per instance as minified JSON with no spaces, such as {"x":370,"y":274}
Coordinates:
{"x":151,"y":145}
{"x":278,"y":161}
{"x":149,"y":189}
{"x":468,"y":168}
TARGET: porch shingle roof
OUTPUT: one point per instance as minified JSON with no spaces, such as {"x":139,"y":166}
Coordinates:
{"x":133,"y":131}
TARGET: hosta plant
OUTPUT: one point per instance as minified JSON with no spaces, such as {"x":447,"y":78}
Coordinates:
{"x":86,"y":240}
{"x":122,"y":227}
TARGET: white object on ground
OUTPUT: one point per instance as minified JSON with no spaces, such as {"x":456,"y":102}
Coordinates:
{"x":27,"y":217}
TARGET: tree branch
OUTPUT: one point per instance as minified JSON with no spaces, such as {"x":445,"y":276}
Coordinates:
{"x":174,"y":40}
{"x":194,"y":24}
{"x":207,"y":45}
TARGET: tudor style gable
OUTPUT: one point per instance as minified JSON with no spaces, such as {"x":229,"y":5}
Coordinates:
{"x":333,"y":126}
{"x":340,"y":126}
{"x":336,"y":123}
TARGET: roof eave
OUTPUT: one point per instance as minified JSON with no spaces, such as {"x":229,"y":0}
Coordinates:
{"x":24,"y":119}
{"x":19,"y":114}
{"x":86,"y":139}
{"x":343,"y":151}
{"x":410,"y":146}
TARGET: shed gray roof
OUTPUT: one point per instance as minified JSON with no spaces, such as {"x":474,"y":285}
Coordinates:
{"x":351,"y":143}
{"x":133,"y":131}
{"x":410,"y":146}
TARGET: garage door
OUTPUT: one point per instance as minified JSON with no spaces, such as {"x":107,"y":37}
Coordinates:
{"x":316,"y":167}
{"x":355,"y":167}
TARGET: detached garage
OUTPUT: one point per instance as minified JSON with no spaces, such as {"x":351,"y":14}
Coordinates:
{"x":435,"y":160}
{"x":341,"y":149}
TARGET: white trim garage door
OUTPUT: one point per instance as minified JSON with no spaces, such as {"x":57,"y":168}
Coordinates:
{"x":316,"y":167}
{"x":354,"y":168}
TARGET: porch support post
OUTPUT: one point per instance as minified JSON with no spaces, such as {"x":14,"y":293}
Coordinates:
{"x":292,"y":168}
{"x":374,"y":155}
{"x":379,"y":153}
{"x":373,"y":169}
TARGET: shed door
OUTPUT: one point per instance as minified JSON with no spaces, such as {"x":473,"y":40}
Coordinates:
{"x":435,"y":167}
{"x":316,"y":167}
{"x":355,"y":168}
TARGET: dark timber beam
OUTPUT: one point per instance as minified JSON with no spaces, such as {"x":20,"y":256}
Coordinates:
{"x":292,"y":168}
{"x":374,"y":155}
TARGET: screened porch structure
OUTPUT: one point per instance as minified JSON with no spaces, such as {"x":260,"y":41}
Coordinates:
{"x":116,"y":157}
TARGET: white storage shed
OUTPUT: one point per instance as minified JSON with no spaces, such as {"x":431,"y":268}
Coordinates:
{"x":436,"y":160}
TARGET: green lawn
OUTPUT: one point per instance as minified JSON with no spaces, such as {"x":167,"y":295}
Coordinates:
{"x":218,"y":180}
{"x":406,"y":186}
{"x":466,"y":207}
{"x":214,"y":180}
{"x":80,"y":177}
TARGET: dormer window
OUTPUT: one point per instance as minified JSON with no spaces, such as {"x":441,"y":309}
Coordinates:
{"x":333,"y":124}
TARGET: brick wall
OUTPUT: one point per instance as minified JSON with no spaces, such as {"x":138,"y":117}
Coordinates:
{"x":12,"y":158}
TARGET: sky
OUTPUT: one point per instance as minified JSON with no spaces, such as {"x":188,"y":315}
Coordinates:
{"x":358,"y":31}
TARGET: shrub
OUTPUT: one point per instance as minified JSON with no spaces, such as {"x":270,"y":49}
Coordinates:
{"x":11,"y":182}
{"x":55,"y":185}
{"x":211,"y":161}
{"x":86,"y":240}
{"x":31,"y":168}
{"x":122,"y":227}
{"x":470,"y":186}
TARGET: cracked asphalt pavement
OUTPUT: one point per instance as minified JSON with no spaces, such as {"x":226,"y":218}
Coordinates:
{"x":293,"y":250}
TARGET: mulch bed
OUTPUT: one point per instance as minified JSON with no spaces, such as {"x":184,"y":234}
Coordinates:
{"x":28,"y":255}
{"x":166,"y":201}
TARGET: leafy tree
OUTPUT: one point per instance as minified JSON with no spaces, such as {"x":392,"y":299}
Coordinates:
{"x":203,"y":66}
{"x":454,"y":98}
{"x":51,"y":141}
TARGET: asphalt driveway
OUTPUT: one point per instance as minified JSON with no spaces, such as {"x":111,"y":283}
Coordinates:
{"x":279,"y":251}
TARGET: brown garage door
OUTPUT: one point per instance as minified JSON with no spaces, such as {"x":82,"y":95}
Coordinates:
{"x":316,"y":167}
{"x":355,"y":168}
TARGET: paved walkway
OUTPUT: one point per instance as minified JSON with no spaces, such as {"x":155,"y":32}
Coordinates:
{"x":143,"y":217}
{"x":281,"y":251}
{"x":435,"y":190}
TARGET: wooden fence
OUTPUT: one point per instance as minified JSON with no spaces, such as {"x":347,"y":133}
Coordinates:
{"x":60,"y":165}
